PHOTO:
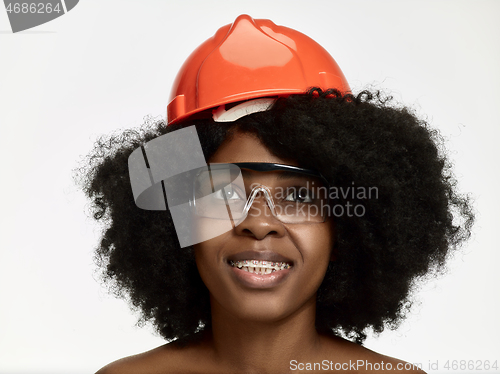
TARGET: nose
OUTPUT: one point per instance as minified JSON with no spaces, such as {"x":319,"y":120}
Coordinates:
{"x":260,"y":221}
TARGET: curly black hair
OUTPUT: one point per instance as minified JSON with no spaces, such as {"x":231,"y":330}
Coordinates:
{"x":404,"y":233}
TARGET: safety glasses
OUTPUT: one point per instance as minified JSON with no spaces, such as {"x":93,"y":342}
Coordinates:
{"x":207,"y":200}
{"x":231,"y":191}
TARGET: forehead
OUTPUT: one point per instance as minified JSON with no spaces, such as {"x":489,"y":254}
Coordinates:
{"x":243,"y":147}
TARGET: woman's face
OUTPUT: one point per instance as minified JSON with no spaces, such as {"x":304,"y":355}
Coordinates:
{"x":306,"y":247}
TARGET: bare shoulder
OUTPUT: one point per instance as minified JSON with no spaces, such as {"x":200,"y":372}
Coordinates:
{"x":168,"y":358}
{"x":356,"y":358}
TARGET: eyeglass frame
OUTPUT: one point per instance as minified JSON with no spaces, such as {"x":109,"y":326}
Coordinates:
{"x":266,"y":167}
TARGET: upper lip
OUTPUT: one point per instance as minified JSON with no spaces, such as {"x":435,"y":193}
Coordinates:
{"x":259,"y":255}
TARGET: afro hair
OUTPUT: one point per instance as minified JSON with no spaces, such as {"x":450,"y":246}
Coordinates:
{"x":405,"y":232}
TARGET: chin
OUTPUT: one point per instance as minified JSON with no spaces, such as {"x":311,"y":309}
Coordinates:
{"x":261,"y":308}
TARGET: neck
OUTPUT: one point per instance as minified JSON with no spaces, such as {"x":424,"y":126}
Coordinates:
{"x":264,"y":346}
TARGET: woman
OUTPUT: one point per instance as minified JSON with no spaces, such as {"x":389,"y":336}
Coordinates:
{"x":315,"y":215}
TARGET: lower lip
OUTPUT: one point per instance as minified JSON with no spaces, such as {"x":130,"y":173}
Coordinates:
{"x":252,"y":280}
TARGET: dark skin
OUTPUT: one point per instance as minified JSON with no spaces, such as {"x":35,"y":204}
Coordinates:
{"x":259,"y":330}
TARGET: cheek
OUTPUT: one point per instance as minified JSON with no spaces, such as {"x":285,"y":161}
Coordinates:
{"x":205,"y":230}
{"x":315,"y":243}
{"x":208,"y":261}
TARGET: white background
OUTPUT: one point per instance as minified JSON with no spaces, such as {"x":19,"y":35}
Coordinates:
{"x":107,"y":64}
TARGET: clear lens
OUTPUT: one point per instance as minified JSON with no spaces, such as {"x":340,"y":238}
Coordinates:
{"x":219,"y":192}
{"x":291,"y":197}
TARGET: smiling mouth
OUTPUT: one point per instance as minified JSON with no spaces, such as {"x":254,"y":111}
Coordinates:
{"x":260,"y":267}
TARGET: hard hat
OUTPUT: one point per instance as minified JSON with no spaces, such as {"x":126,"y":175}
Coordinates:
{"x":251,"y":59}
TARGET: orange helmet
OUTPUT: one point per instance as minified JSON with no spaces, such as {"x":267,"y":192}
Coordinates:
{"x":251,"y":59}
